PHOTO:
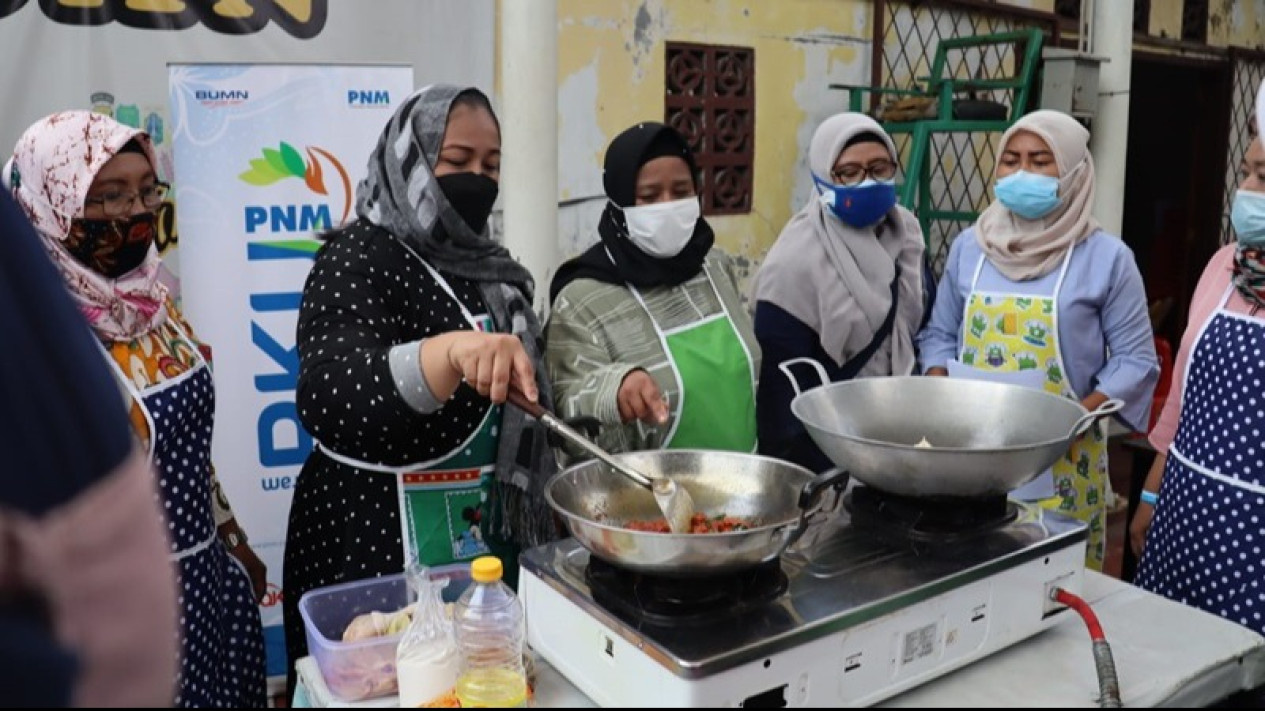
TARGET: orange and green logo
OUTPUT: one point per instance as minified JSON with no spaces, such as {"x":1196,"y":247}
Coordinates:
{"x":286,"y":163}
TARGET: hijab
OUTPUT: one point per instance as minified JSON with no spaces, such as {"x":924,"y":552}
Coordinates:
{"x":401,"y":195}
{"x":836,"y":278}
{"x":1024,"y":249}
{"x":615,"y":259}
{"x":53,"y":166}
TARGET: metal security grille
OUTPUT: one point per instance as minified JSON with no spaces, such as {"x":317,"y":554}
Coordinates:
{"x":1249,"y":72}
{"x":906,"y":37}
{"x":710,"y":99}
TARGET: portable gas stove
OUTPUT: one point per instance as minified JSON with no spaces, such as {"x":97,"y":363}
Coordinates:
{"x":874,"y":600}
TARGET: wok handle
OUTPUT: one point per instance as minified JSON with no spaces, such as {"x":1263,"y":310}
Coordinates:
{"x":1109,"y":407}
{"x":785,"y":367}
{"x":809,"y":496}
{"x":554,"y":423}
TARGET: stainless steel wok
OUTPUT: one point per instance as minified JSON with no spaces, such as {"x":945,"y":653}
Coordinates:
{"x":778,"y":497}
{"x":985,"y":438}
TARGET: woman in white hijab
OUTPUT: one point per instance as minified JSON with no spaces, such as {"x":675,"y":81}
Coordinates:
{"x":1037,"y":294}
{"x":845,"y":285}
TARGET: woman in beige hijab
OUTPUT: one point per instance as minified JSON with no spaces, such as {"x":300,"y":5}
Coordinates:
{"x":1036,"y":294}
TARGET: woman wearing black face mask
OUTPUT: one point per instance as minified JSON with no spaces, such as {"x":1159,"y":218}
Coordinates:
{"x":401,"y":307}
{"x":88,"y":185}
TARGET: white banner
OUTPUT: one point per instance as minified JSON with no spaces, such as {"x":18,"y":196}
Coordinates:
{"x":112,"y":55}
{"x":265,"y":157}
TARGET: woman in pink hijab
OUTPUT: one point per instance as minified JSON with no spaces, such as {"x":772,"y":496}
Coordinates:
{"x":88,"y":185}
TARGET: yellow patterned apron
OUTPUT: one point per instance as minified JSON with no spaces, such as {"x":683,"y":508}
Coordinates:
{"x":1008,"y":332}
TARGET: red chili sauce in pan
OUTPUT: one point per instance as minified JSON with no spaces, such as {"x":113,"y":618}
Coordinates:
{"x":699,"y":523}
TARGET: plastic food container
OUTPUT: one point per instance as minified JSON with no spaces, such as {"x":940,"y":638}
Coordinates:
{"x":355,"y":671}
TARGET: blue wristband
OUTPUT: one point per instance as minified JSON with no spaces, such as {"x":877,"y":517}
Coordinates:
{"x":1149,"y":497}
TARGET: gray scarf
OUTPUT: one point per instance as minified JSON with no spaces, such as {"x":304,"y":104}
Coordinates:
{"x":401,"y":195}
{"x":836,"y":279}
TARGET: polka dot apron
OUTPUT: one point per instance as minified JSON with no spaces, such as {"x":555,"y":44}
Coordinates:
{"x":1018,"y":334}
{"x":1206,"y":545}
{"x":221,"y":638}
{"x":443,"y":502}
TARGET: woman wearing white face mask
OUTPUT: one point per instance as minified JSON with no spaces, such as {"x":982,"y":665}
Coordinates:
{"x":1035,"y":294}
{"x":647,"y":333}
{"x":845,"y":285}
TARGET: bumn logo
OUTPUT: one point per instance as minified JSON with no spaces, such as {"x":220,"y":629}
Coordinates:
{"x":221,"y":97}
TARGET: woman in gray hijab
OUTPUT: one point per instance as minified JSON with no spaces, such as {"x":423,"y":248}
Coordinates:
{"x":414,"y":324}
{"x":844,"y":286}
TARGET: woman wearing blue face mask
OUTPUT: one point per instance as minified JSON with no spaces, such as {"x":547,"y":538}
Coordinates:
{"x":647,"y":333}
{"x":1203,"y":504}
{"x":1036,"y":294}
{"x":845,"y":285}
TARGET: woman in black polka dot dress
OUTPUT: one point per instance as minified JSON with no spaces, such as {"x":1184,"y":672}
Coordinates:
{"x":414,"y":322}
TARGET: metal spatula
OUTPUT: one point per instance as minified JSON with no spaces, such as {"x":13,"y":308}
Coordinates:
{"x":674,"y":501}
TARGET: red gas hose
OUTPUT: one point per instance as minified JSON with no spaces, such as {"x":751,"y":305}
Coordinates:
{"x":1082,"y":608}
{"x":1108,"y":684}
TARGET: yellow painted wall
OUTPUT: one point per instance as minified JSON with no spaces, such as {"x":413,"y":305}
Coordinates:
{"x":1166,"y":19}
{"x":611,"y":75}
{"x":1043,"y":5}
{"x":1237,"y":22}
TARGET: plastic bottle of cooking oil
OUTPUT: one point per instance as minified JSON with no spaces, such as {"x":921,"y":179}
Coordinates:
{"x":490,"y":635}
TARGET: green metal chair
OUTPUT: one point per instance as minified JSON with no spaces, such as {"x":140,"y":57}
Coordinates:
{"x":953,"y":115}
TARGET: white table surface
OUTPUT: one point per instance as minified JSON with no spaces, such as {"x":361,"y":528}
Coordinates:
{"x":1166,"y":654}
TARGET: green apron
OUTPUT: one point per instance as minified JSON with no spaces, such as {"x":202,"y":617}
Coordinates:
{"x":443,"y":502}
{"x":715,"y":378}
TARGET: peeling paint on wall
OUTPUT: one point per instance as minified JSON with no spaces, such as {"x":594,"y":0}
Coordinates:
{"x":1238,"y":23}
{"x":582,"y":142}
{"x":611,"y":73}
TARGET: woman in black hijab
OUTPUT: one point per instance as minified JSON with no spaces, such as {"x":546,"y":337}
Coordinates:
{"x":647,"y":333}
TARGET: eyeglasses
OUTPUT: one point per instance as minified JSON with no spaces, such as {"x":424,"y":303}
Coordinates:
{"x":854,"y":173}
{"x":117,"y":203}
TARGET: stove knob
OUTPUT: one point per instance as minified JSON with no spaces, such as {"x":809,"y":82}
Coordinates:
{"x":800,"y":696}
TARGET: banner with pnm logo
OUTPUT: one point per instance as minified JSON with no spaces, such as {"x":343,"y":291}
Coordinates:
{"x":266,"y":157}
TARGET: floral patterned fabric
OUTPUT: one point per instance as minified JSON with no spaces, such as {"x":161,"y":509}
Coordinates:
{"x":52,"y":169}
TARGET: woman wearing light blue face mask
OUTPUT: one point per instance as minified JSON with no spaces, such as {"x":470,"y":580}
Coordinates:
{"x":1035,"y":294}
{"x":845,"y":285}
{"x":647,"y":333}
{"x":1203,"y":504}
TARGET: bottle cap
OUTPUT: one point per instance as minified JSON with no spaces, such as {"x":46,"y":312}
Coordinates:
{"x":486,"y":569}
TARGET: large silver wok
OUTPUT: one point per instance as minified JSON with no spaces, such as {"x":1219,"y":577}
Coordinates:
{"x":986,"y":438}
{"x":778,"y":496}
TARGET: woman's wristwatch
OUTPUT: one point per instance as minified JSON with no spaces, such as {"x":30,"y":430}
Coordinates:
{"x":1148,"y":497}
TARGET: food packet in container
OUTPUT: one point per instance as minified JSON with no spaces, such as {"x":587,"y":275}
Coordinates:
{"x":427,"y":660}
{"x":377,"y":624}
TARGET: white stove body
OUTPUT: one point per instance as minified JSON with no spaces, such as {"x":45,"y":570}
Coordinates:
{"x":852,"y":666}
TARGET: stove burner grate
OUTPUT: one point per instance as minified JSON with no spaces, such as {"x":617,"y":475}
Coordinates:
{"x":669,"y":601}
{"x":928,"y":520}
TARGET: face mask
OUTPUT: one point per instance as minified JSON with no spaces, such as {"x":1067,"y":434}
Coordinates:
{"x":1028,"y":195}
{"x":860,"y":205}
{"x":472,"y":196}
{"x":662,"y":229}
{"x":111,"y":247}
{"x":1248,"y":217}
